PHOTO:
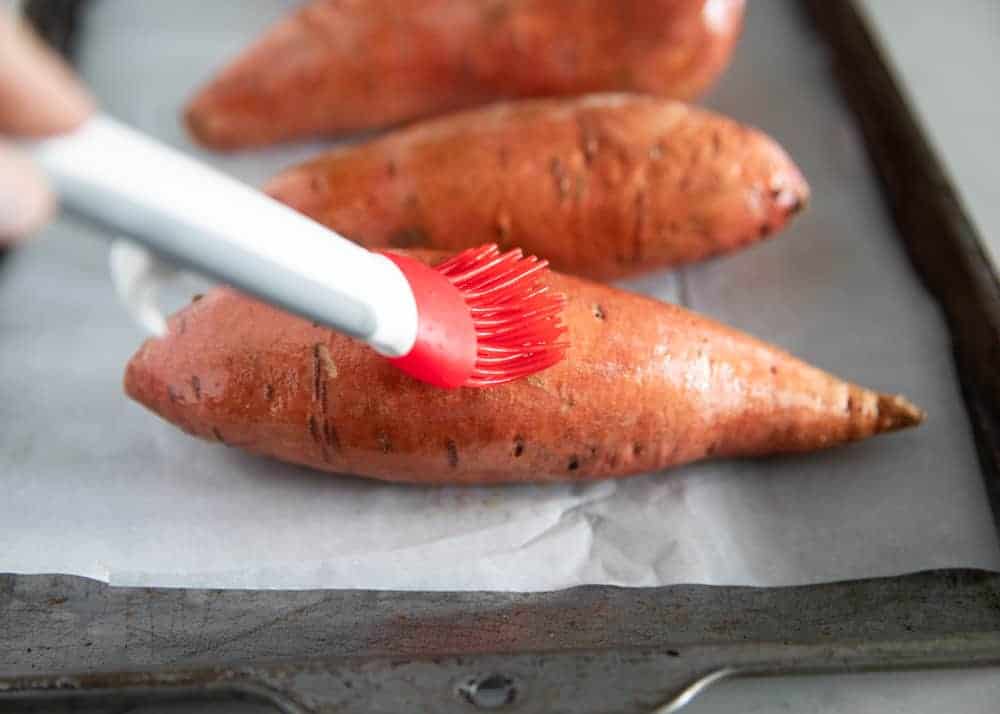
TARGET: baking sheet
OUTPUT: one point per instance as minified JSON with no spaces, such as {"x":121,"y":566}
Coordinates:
{"x":96,"y":486}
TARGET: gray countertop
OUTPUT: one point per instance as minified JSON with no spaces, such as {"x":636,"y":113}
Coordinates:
{"x":948,"y":57}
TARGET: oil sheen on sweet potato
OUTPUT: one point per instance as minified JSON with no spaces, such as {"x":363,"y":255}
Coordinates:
{"x":335,"y":66}
{"x":604,"y":186}
{"x":644,"y":386}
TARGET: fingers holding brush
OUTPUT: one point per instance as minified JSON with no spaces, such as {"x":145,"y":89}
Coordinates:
{"x":39,"y":96}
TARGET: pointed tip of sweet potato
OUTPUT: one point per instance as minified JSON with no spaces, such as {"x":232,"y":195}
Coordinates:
{"x":896,"y":412}
{"x":208,"y":126}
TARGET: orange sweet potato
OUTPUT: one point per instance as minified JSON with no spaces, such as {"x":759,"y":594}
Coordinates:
{"x":602,"y":186}
{"x":644,"y":386}
{"x":340,"y":65}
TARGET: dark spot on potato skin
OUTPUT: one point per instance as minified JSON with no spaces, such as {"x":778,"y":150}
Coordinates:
{"x":410,"y":237}
{"x":765,"y":230}
{"x":196,"y":386}
{"x":560,"y":180}
{"x":791,"y":202}
{"x":849,"y":407}
{"x":317,"y":376}
{"x":599,"y":312}
{"x":269,"y":392}
{"x":574,"y":463}
{"x":172,"y":394}
{"x":590,"y":148}
{"x":774,"y":369}
{"x":518,"y":447}
{"x":452,"y":448}
{"x":196,"y":297}
{"x":330,"y":436}
{"x":637,"y":449}
{"x":319,"y":379}
{"x":314,"y":429}
{"x":384,"y":443}
{"x":496,"y":14}
{"x":503,"y":227}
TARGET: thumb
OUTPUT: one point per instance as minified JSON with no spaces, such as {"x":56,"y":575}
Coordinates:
{"x":38,"y":92}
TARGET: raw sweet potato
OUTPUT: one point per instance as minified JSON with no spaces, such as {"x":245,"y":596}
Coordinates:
{"x":340,"y":65}
{"x":602,"y":186}
{"x":644,"y":385}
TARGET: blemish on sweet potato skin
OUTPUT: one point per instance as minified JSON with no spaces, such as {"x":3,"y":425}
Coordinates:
{"x":329,"y":367}
{"x":330,"y":436}
{"x":409,"y":237}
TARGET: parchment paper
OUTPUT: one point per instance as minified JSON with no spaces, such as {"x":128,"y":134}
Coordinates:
{"x":94,"y":485}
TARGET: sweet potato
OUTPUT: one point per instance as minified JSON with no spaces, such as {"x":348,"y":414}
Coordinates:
{"x":644,"y":386}
{"x":340,"y":65}
{"x":602,"y":186}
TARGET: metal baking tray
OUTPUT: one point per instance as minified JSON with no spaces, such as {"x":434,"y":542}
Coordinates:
{"x":70,"y":641}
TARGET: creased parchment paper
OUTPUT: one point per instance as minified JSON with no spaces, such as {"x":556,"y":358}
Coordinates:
{"x":96,"y":486}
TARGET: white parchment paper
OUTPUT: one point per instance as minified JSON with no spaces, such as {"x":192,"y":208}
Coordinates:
{"x":94,"y":485}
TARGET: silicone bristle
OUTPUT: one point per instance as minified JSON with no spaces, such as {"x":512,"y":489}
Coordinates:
{"x":519,"y":330}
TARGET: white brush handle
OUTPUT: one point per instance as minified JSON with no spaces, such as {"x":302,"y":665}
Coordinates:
{"x":201,"y":218}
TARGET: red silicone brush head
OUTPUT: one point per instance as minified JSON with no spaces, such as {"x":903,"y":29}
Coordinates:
{"x":485,"y":318}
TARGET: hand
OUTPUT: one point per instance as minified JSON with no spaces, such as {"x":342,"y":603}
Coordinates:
{"x":38,"y":96}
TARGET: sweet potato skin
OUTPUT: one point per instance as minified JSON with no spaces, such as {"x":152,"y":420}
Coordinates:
{"x":335,"y":66}
{"x":604,"y":186}
{"x":644,"y":386}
